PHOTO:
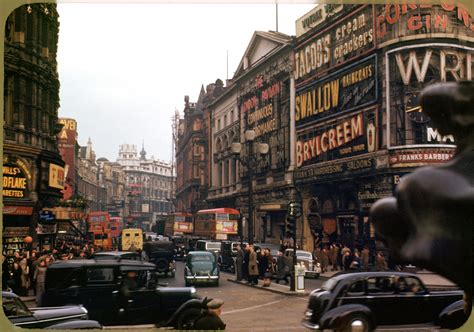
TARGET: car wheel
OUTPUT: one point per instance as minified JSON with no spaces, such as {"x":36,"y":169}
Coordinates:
{"x":161,"y":265}
{"x":187,"y":318}
{"x":355,"y":323}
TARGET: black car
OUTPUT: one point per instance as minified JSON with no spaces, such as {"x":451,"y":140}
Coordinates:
{"x":64,"y":317}
{"x":374,"y":299}
{"x":227,"y":255}
{"x":181,"y":247}
{"x":118,"y":292}
{"x":161,"y":253}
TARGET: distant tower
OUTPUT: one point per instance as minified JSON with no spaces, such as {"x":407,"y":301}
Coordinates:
{"x":143,"y":152}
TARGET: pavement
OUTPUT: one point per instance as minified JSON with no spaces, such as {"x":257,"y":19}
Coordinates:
{"x":431,"y":280}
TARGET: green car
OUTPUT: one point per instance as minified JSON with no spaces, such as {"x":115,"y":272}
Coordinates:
{"x":201,"y":268}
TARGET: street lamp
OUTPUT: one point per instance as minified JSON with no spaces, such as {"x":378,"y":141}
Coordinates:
{"x":251,"y":161}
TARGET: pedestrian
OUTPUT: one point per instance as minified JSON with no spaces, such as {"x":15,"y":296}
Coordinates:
{"x":267,"y":270}
{"x":355,"y":262}
{"x":282,"y":268}
{"x":25,"y":276}
{"x":364,"y":257}
{"x":253,"y":266}
{"x":334,"y":257}
{"x":245,"y":263}
{"x":325,"y":259}
{"x":39,"y":278}
{"x":238,"y":262}
{"x":262,"y":261}
{"x":380,"y":262}
{"x":346,"y":260}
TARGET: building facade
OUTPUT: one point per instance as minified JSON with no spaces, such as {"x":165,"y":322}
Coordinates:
{"x":33,"y":171}
{"x":149,"y":187}
{"x":192,"y":151}
{"x":359,"y":70}
{"x":257,"y":99}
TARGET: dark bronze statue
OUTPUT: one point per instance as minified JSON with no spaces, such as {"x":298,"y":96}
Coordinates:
{"x":429,"y":220}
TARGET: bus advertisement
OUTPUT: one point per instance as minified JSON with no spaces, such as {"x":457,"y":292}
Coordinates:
{"x":182,"y":223}
{"x":116,"y":226}
{"x":98,"y":223}
{"x":219,"y":224}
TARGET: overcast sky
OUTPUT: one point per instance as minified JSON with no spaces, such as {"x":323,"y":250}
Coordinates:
{"x":124,"y":68}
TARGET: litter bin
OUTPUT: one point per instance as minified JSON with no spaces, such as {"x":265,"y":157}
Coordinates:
{"x":299,"y":278}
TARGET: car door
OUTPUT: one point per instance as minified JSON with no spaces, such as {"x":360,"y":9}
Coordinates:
{"x":98,"y":292}
{"x":382,"y":301}
{"x":413,"y":298}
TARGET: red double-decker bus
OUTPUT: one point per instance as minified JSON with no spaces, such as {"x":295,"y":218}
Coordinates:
{"x":99,"y":227}
{"x":115,"y":226}
{"x":219,"y":224}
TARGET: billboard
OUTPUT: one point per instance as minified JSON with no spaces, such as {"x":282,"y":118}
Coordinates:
{"x":348,"y":38}
{"x":67,"y":138}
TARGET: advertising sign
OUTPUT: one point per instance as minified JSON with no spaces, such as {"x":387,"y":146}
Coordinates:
{"x":346,"y":39}
{"x":347,"y":136}
{"x":315,"y":17}
{"x":56,"y":176}
{"x":395,"y":22}
{"x":15,"y":179}
{"x":18,"y":210}
{"x":335,"y":169}
{"x":228,"y":227}
{"x":67,"y":138}
{"x":411,"y":68}
{"x":419,"y":157}
{"x":184,"y":227}
{"x":339,"y":93}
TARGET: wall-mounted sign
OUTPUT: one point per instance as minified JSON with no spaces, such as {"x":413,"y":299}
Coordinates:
{"x":338,"y":93}
{"x":346,"y":39}
{"x":419,"y":157}
{"x":56,"y":176}
{"x":410,"y":69}
{"x":336,"y":169}
{"x":343,"y":137}
{"x":402,"y":21}
{"x":67,"y":138}
{"x":18,"y":210}
{"x":315,"y":17}
{"x":15,"y":179}
{"x":15,"y":231}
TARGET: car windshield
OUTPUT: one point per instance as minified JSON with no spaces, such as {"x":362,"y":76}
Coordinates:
{"x":304,"y":255}
{"x":213,"y":246}
{"x":202,"y":258}
{"x":330,"y":284}
{"x":14,"y":307}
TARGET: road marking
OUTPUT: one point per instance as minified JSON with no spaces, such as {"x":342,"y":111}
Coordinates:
{"x":251,"y":308}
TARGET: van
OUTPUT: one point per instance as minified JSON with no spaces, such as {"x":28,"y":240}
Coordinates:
{"x":132,"y":237}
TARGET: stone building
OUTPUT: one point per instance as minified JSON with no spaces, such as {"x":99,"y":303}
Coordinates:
{"x":112,"y":178}
{"x":192,"y":151}
{"x":33,"y":171}
{"x":88,"y":179}
{"x":257,"y":99}
{"x":149,"y":186}
{"x":359,"y":70}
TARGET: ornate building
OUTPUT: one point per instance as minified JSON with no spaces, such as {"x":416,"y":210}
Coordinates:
{"x":33,"y":172}
{"x":192,"y":151}
{"x":149,"y":186}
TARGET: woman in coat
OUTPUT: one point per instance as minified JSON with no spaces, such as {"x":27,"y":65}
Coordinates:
{"x":253,"y":266}
{"x":39,"y":277}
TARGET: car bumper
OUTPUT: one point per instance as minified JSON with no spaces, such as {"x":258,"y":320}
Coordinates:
{"x":306,"y":323}
{"x":200,"y":278}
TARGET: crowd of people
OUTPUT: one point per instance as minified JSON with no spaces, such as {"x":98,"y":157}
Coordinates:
{"x":252,"y":266}
{"x":27,"y":270}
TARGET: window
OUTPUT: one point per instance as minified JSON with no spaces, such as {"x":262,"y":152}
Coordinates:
{"x":380,"y":285}
{"x":100,"y":275}
{"x":357,"y":288}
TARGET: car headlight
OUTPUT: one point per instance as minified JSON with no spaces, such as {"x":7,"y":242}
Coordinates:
{"x":308,"y":314}
{"x":215,"y":271}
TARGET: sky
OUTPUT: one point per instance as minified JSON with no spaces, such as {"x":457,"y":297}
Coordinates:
{"x":125,"y":68}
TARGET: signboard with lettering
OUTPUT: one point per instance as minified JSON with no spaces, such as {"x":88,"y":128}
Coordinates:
{"x":335,"y":169}
{"x":67,"y":138}
{"x":315,"y":17}
{"x":341,"y":92}
{"x":395,"y":22}
{"x":419,"y":157}
{"x":18,"y":210}
{"x":410,"y":69}
{"x":345,"y":40}
{"x":348,"y":136}
{"x":15,"y":179}
{"x":56,"y":176}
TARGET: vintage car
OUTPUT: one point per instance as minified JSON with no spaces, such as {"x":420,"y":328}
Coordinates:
{"x":201,"y":268}
{"x":206,"y":245}
{"x":118,"y":292}
{"x":370,"y":300}
{"x":312,"y":267}
{"x":227,"y":255}
{"x":181,"y":247}
{"x":161,"y":253}
{"x":117,"y":255}
{"x":64,"y":317}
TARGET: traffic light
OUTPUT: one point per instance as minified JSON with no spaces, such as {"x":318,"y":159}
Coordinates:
{"x":294,"y":209}
{"x":290,"y":227}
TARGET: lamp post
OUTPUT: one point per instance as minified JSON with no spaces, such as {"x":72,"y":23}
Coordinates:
{"x":251,"y":161}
